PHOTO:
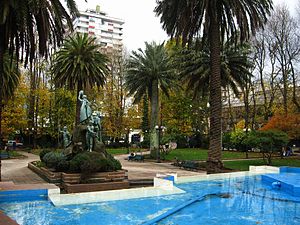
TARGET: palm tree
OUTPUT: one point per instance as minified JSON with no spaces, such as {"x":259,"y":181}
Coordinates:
{"x":148,"y":72}
{"x":79,"y":64}
{"x":194,"y":69}
{"x":216,"y":20}
{"x":30,"y":26}
{"x":11,"y":78}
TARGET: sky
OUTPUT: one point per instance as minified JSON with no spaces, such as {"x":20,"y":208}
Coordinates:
{"x":141,"y":24}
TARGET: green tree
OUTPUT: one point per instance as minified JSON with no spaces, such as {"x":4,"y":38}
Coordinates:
{"x":194,"y":68}
{"x":14,"y":117}
{"x":79,"y":64}
{"x":148,"y":72}
{"x":30,"y":26}
{"x":216,"y":20}
{"x":11,"y":78}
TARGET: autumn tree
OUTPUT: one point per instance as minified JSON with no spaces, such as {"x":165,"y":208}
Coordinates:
{"x":14,"y":116}
{"x":289,"y":124}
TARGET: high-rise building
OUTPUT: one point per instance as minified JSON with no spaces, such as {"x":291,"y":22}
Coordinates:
{"x":108,"y":30}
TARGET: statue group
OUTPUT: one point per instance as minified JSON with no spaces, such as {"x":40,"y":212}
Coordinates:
{"x":90,"y":127}
{"x":92,"y":120}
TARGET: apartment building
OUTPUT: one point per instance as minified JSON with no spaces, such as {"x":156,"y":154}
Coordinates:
{"x":107,"y":29}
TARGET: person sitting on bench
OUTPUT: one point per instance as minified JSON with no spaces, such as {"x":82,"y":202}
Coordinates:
{"x":131,"y":156}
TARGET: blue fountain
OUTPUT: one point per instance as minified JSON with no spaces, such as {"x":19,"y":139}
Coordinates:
{"x":288,"y":180}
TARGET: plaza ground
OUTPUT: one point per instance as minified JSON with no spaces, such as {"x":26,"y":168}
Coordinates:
{"x":17,"y":176}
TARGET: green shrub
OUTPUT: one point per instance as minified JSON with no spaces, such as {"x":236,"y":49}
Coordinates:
{"x":63,"y":166}
{"x":94,"y":165}
{"x":52,"y":159}
{"x":43,"y":153}
{"x":77,"y":161}
{"x":116,"y":165}
{"x":89,"y":162}
{"x":39,"y":164}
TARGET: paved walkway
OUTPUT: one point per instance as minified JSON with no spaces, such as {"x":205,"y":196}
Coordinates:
{"x":16,"y":175}
{"x":148,"y":170}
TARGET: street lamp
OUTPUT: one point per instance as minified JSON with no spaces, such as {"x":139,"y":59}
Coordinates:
{"x":159,"y":129}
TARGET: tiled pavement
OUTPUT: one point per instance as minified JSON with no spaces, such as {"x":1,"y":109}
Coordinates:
{"x":16,"y":175}
{"x":148,"y":170}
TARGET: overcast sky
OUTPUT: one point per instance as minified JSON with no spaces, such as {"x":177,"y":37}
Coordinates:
{"x":140,"y":22}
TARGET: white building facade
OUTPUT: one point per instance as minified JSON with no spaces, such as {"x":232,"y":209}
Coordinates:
{"x":108,"y":30}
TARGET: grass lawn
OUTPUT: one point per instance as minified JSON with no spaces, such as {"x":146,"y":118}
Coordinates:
{"x":113,"y":151}
{"x":201,"y":154}
{"x":244,"y":164}
{"x":122,"y":151}
{"x":12,"y":153}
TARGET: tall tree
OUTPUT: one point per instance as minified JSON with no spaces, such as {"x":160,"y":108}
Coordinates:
{"x":215,"y":19}
{"x":194,"y":68}
{"x":79,"y":64}
{"x":148,"y":72}
{"x":283,"y":32}
{"x":11,"y":78}
{"x":114,"y":97}
{"x":20,"y":20}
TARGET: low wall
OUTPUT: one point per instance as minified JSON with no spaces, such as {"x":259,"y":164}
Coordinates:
{"x":75,"y":178}
{"x":77,"y":188}
{"x":73,"y":182}
{"x":49,"y":176}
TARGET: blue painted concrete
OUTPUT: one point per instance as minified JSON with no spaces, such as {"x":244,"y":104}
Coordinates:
{"x":23,"y":195}
{"x":172,"y":211}
{"x":171,"y":178}
{"x":289,"y":178}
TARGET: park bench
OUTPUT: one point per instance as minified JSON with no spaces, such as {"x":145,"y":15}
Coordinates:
{"x":4,"y":155}
{"x":139,"y":158}
{"x":187,"y":164}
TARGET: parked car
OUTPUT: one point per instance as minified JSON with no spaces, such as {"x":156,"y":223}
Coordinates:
{"x":10,"y":143}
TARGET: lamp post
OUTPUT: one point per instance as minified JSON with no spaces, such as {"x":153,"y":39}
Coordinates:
{"x":158,"y":129}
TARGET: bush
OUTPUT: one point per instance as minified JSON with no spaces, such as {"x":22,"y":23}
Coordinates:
{"x":62,"y":166}
{"x":77,"y":161}
{"x":52,"y":159}
{"x":114,"y":164}
{"x":89,"y":162}
{"x":43,"y":153}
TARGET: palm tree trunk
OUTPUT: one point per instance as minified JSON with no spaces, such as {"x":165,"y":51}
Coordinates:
{"x":214,"y":163}
{"x":1,"y":92}
{"x":154,"y":145}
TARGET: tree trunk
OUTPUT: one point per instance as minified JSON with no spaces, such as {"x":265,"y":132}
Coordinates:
{"x":1,"y":96}
{"x":295,"y":101}
{"x":31,"y":109}
{"x":1,"y":92}
{"x":214,"y":163}
{"x":154,"y":142}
